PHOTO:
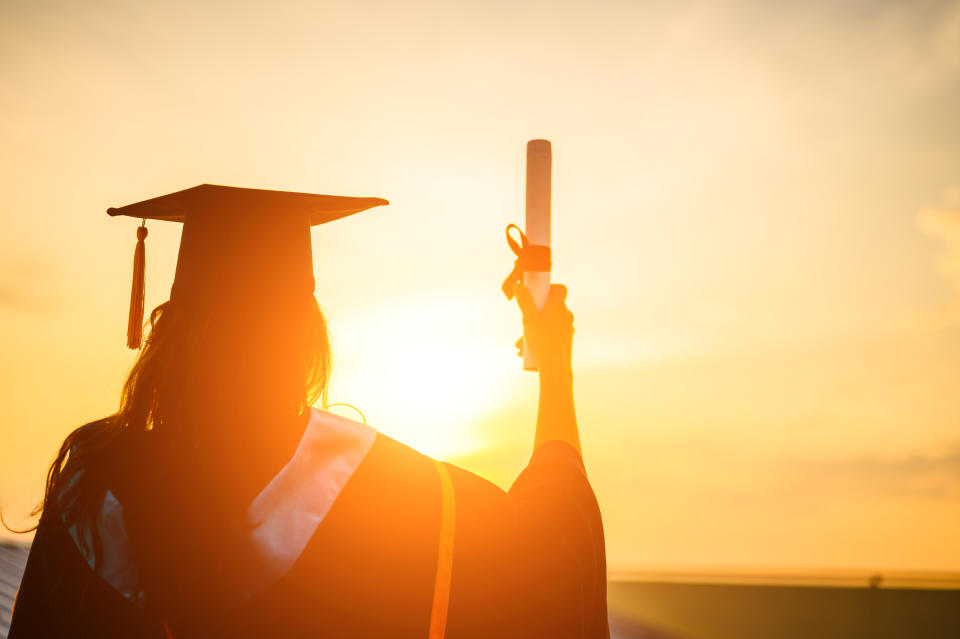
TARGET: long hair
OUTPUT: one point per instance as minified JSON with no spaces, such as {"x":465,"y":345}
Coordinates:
{"x":208,"y":391}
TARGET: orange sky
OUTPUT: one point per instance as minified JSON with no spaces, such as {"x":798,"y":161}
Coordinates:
{"x":756,"y":209}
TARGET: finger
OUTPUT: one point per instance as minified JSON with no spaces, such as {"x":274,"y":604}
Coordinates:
{"x":525,"y":300}
{"x":519,"y":343}
{"x":557,"y":295}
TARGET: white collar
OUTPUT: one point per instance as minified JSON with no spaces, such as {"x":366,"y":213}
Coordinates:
{"x":288,"y":511}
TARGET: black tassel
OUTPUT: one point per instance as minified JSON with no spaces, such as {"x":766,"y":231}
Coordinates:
{"x":135,"y":320}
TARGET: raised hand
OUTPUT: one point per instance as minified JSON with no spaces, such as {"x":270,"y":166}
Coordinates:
{"x":548,"y":332}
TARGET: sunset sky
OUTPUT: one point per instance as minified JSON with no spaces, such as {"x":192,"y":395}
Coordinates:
{"x":756,"y":211}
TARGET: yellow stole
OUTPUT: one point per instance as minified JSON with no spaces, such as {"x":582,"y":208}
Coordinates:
{"x":441,"y":589}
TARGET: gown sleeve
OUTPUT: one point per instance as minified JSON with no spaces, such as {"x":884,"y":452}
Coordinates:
{"x":529,"y":562}
{"x":559,"y":525}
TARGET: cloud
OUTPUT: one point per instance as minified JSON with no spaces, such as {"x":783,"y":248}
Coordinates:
{"x":926,"y":54}
{"x":947,"y":462}
{"x":21,"y":285}
{"x":12,"y":297}
{"x":943,"y":224}
{"x":928,"y":474}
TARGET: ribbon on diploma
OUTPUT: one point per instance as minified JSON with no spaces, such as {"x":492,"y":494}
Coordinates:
{"x":529,"y":258}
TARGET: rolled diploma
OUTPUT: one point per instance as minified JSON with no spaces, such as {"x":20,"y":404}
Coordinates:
{"x":539,"y":160}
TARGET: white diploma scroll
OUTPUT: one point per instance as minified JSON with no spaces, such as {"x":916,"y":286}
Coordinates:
{"x":539,"y":160}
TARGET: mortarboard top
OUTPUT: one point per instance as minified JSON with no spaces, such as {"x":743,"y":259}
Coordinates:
{"x":237,"y":244}
{"x":213,"y":199}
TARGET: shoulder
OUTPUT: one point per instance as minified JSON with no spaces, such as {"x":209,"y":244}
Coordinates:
{"x":83,"y":441}
{"x":394,"y":461}
{"x":82,"y":450}
{"x":80,"y":439}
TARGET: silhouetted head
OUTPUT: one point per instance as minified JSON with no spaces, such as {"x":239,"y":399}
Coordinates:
{"x":237,"y":363}
{"x":241,"y":348}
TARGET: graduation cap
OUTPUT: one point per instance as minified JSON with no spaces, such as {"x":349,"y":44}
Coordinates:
{"x":237,"y":244}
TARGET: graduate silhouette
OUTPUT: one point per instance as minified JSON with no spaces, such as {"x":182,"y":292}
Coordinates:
{"x":218,"y":502}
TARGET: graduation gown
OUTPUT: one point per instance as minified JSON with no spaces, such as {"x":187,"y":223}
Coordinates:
{"x":361,"y":536}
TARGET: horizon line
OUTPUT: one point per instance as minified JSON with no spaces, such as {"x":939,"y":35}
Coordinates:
{"x":791,"y":576}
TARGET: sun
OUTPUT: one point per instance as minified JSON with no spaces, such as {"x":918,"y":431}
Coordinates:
{"x":423,"y":371}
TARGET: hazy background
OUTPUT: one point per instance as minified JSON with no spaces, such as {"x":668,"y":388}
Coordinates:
{"x":756,"y":209}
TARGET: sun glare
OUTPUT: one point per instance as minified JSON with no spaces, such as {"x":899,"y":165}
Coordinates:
{"x":422,"y":371}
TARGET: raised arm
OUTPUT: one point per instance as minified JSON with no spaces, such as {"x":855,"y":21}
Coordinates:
{"x":549,"y":334}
